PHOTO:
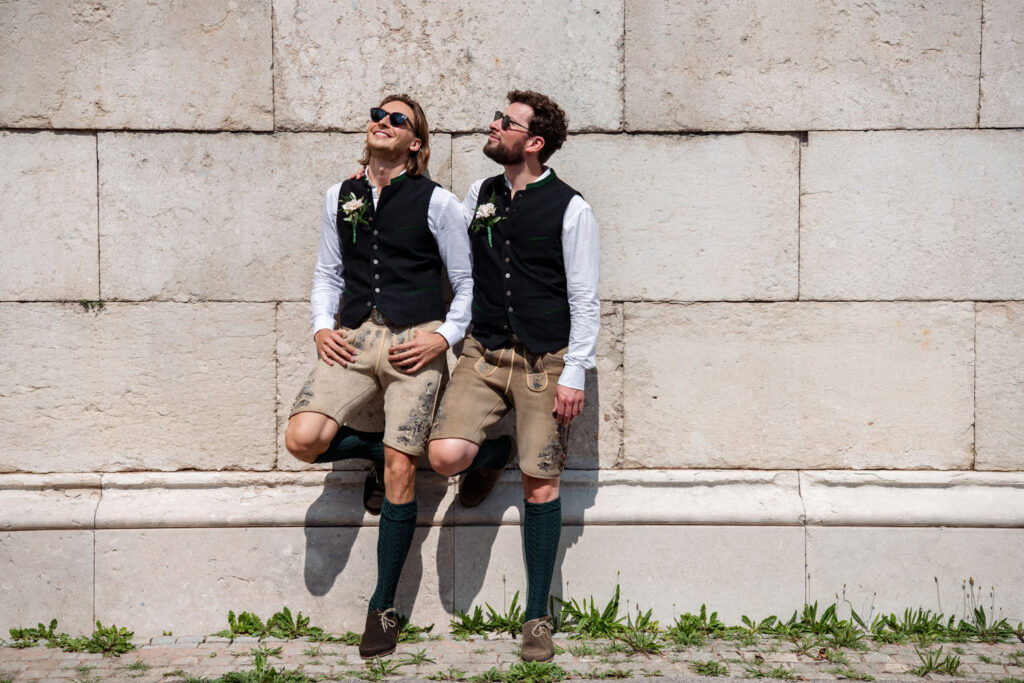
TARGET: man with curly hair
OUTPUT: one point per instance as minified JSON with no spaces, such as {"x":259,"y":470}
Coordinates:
{"x":536,"y":313}
{"x":385,"y":239}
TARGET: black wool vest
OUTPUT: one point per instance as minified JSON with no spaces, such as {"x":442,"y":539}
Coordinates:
{"x":391,"y":259}
{"x":519,"y":281}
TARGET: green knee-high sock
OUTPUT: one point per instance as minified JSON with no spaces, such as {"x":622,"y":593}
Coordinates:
{"x":493,"y":453}
{"x":351,"y":443}
{"x":542,"y":528}
{"x":397,"y":526}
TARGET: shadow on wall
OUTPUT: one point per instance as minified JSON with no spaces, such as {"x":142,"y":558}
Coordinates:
{"x":472,"y":544}
{"x":464,"y":548}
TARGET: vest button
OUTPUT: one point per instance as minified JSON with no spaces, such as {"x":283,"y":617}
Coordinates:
{"x":508,"y":275}
{"x":507,"y":259}
{"x":377,"y":290}
{"x":377,"y":276}
{"x":510,"y":309}
{"x":374,"y":232}
{"x":375,"y":247}
{"x":508,"y":292}
{"x":375,"y":261}
{"x":369,"y":304}
{"x":507,"y":242}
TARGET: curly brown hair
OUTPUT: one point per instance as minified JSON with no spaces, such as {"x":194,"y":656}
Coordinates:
{"x":549,"y":121}
{"x":418,"y":160}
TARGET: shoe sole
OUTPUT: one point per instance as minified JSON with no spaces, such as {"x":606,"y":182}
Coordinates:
{"x":379,"y":654}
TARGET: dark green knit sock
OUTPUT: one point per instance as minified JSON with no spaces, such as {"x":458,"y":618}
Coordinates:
{"x":351,"y":443}
{"x":493,"y":453}
{"x":397,"y":525}
{"x":542,"y":528}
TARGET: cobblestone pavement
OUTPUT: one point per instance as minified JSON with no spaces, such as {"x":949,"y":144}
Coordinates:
{"x":171,"y":659}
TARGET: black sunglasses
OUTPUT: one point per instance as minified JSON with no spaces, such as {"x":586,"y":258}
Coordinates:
{"x":395,"y":118}
{"x":507,"y":121}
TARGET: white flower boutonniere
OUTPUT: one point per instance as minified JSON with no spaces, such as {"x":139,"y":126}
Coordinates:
{"x":484,"y":219}
{"x":355,"y":213}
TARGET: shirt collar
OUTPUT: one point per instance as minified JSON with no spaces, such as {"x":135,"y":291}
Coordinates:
{"x":547,"y":176}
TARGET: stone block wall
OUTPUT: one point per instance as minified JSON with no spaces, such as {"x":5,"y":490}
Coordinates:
{"x":812,"y":249}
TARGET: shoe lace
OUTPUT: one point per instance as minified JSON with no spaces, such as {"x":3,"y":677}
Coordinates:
{"x":375,"y":474}
{"x":543,"y":626}
{"x":387,"y":621}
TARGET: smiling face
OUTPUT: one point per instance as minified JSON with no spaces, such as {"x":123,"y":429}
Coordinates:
{"x":509,"y":146}
{"x":391,"y":142}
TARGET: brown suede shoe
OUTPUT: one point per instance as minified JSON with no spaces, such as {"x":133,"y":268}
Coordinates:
{"x":477,"y":485}
{"x":537,"y":645}
{"x":380,"y":637}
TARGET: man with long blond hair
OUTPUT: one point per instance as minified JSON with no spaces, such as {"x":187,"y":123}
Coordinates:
{"x":386,"y":238}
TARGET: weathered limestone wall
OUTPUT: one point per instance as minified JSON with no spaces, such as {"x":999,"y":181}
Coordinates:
{"x":812,"y":225}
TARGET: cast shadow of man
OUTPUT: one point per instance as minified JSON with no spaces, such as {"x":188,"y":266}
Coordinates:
{"x":336,"y":518}
{"x":467,"y":536}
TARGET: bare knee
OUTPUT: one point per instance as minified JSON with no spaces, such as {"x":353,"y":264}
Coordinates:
{"x":450,"y":456}
{"x":303,"y":443}
{"x":537,"y":490}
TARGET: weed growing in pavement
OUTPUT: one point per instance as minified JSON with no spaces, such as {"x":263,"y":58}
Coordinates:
{"x":281,"y":625}
{"x":1010,"y":679}
{"x":598,"y":674}
{"x":836,"y":657}
{"x":641,"y":636}
{"x":694,"y":629}
{"x":452,"y":674}
{"x":849,"y":673}
{"x":709,"y":667}
{"x":983,"y":658}
{"x":932,"y":661}
{"x":465,"y":625}
{"x":383,"y":667}
{"x":808,"y":646}
{"x":1016,"y":658}
{"x":416,"y":659}
{"x":511,"y":622}
{"x":534,"y":672}
{"x":91,"y":306}
{"x":582,"y":649}
{"x":137,"y":666}
{"x":480,"y":651}
{"x":314,"y":651}
{"x":109,"y":640}
{"x":411,"y":633}
{"x":6,"y":679}
{"x":779,"y":672}
{"x":492,"y":675}
{"x":585,"y":620}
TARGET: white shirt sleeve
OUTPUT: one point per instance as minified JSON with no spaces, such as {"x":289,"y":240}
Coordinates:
{"x":469,"y":203}
{"x":580,"y":250}
{"x":329,"y":274}
{"x":448,"y":223}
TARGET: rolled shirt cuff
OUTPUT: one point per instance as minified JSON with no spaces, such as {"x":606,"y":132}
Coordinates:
{"x":323,"y":322}
{"x":572,"y":377}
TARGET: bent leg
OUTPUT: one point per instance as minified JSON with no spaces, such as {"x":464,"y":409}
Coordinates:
{"x":309,"y":434}
{"x":451,"y":456}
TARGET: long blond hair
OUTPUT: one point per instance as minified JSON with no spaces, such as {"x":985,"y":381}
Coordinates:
{"x":417,"y":162}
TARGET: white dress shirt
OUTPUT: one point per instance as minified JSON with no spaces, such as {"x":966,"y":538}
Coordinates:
{"x":582,"y":262}
{"x":447,"y":223}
